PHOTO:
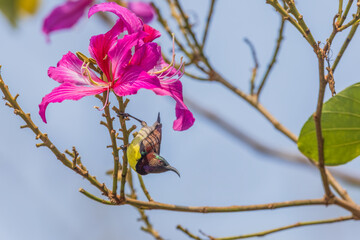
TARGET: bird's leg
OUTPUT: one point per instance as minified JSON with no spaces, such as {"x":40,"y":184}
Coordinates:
{"x":124,"y":147}
{"x":126,"y":115}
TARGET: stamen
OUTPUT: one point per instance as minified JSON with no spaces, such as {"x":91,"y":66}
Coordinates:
{"x":172,"y":60}
{"x":106,"y":101}
{"x":86,"y":73}
{"x":181,"y":65}
{"x":170,"y":79}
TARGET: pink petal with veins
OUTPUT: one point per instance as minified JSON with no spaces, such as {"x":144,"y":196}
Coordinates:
{"x":67,"y":91}
{"x":153,"y":33}
{"x":130,"y":21}
{"x":133,"y":79}
{"x":121,"y":53}
{"x":184,"y":118}
{"x":147,"y":56}
{"x":69,"y":70}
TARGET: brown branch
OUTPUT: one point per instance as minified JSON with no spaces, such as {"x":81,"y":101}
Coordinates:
{"x":210,"y":14}
{"x":273,"y":59}
{"x":344,"y":46}
{"x":165,"y":25}
{"x":144,"y":189}
{"x":187,"y":232}
{"x":234,"y":131}
{"x":256,"y":65}
{"x":338,"y":25}
{"x":300,"y":19}
{"x":47,"y":142}
{"x":211,"y":209}
{"x":252,"y":101}
{"x":298,"y":224}
{"x":284,"y":13}
{"x":114,"y":145}
{"x":317,"y":119}
{"x":125,"y":136}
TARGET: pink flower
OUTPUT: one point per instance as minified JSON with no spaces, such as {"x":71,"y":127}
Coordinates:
{"x":143,"y":10}
{"x":127,"y":65}
{"x":65,"y":15}
{"x":68,"y":14}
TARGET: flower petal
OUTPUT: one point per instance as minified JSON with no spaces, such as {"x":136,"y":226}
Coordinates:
{"x":65,"y":15}
{"x":99,"y":48}
{"x":130,"y":21}
{"x":121,"y":53}
{"x":69,"y":70}
{"x":67,"y":91}
{"x":133,"y":79}
{"x":153,"y":33}
{"x":184,"y":118}
{"x":147,"y":56}
{"x":143,"y":10}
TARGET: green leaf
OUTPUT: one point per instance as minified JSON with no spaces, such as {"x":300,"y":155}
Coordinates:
{"x":340,"y":122}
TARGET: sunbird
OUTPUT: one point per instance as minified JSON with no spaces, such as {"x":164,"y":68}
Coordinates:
{"x":143,"y":152}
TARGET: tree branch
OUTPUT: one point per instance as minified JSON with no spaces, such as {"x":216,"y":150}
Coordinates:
{"x":298,"y":224}
{"x":317,"y":119}
{"x":210,"y":14}
{"x":210,"y":209}
{"x":273,"y":59}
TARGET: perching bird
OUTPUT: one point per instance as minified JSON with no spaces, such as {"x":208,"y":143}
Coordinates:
{"x":143,"y":152}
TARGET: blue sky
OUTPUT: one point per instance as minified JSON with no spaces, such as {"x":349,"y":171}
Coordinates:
{"x":40,"y":198}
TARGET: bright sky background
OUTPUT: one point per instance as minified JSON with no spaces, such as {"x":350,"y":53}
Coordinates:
{"x":40,"y":198}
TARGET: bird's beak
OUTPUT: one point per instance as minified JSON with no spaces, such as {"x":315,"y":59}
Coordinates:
{"x":170,"y":168}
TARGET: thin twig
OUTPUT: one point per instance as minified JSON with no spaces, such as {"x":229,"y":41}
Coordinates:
{"x":81,"y":170}
{"x":125,"y":137}
{"x":252,"y":101}
{"x":113,"y":135}
{"x":338,"y":24}
{"x":298,"y":224}
{"x":93,"y":197}
{"x":284,"y":13}
{"x":255,"y":144}
{"x":165,"y":25}
{"x":143,"y":187}
{"x":187,"y":232}
{"x":198,"y":50}
{"x":341,"y":20}
{"x":210,"y":14}
{"x":300,"y":19}
{"x":187,"y":24}
{"x":344,"y":46}
{"x":273,"y":59}
{"x":340,"y":11}
{"x":256,"y":65}
{"x":149,"y":227}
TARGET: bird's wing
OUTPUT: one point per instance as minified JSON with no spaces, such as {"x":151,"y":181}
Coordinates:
{"x":153,"y":141}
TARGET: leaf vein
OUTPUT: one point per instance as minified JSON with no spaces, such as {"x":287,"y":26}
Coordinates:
{"x":347,"y":97}
{"x":342,"y":113}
